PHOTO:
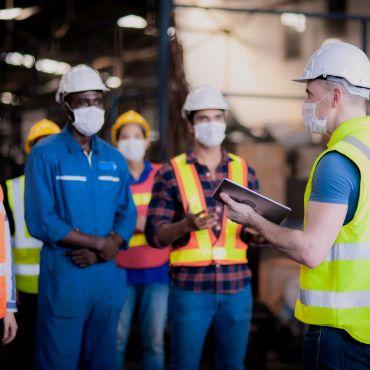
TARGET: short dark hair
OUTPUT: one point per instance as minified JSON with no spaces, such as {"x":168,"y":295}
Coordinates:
{"x":191,"y":114}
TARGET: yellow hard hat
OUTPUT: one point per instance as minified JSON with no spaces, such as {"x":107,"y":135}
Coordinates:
{"x":127,"y":118}
{"x":40,"y":129}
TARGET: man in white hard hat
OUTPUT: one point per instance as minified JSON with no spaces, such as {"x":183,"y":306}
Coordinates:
{"x":334,"y":247}
{"x":78,"y":203}
{"x":211,"y":281}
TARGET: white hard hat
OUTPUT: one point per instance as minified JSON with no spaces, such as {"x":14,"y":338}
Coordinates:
{"x":77,"y":79}
{"x":339,"y":59}
{"x":203,"y":97}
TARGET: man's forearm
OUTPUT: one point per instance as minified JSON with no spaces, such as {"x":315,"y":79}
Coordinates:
{"x":76,"y":239}
{"x":168,"y":233}
{"x":289,"y":241}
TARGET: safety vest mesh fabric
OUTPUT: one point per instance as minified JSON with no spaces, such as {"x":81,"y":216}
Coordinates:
{"x":203,"y":247}
{"x":26,"y":248}
{"x":337,"y":292}
{"x":139,"y":254}
{"x":2,"y":258}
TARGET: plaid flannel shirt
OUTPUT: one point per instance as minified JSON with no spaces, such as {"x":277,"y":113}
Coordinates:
{"x":166,"y":207}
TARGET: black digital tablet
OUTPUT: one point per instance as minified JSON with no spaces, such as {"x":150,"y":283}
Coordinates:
{"x":266,"y":207}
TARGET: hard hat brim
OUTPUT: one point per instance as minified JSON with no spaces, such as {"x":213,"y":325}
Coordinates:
{"x":185,"y":113}
{"x":101,"y":88}
{"x":302,"y":79}
{"x":59,"y":98}
{"x":81,"y":91}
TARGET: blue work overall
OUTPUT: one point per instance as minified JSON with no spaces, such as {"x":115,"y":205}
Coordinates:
{"x":78,"y":308}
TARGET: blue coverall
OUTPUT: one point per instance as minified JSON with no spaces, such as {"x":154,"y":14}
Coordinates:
{"x":78,"y":308}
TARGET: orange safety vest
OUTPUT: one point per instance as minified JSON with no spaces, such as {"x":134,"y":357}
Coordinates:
{"x":2,"y":260}
{"x":140,"y":255}
{"x":204,"y":248}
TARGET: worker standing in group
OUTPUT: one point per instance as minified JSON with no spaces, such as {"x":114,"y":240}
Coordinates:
{"x":210,"y":278}
{"x":26,"y":254}
{"x":147,"y":268}
{"x":8,"y":324}
{"x":334,"y":247}
{"x":79,"y":204}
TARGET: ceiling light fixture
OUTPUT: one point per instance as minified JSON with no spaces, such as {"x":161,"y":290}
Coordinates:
{"x":18,"y":14}
{"x":113,"y":82}
{"x":294,"y":20}
{"x":52,"y":66}
{"x":10,"y":14}
{"x":132,"y":21}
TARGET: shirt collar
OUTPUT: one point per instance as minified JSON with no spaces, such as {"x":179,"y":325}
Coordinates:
{"x":73,"y":144}
{"x":192,"y":159}
{"x":144,"y":175}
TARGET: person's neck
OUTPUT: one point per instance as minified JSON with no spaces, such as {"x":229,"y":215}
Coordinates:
{"x":136,"y":168}
{"x":208,"y":156}
{"x":346,"y":114}
{"x":84,"y":141}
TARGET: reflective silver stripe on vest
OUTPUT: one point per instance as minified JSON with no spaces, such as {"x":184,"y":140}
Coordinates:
{"x":349,"y":251}
{"x":27,"y":270}
{"x":358,"y":144}
{"x":2,"y":269}
{"x":335,"y":300}
{"x":20,"y":238}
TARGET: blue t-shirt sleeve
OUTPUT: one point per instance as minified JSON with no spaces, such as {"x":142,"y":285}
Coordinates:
{"x":336,"y":180}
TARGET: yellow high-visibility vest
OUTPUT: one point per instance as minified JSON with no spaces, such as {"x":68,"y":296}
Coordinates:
{"x":203,"y":247}
{"x":26,"y":248}
{"x":337,"y":292}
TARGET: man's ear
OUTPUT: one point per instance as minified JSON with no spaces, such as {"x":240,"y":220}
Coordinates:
{"x":337,"y":97}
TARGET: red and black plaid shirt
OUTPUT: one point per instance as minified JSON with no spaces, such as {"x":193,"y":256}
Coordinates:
{"x":166,"y":207}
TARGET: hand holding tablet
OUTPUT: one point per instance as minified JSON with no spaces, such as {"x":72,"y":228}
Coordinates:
{"x":266,"y":207}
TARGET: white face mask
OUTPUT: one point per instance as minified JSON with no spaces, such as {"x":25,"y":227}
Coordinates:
{"x":132,"y":149}
{"x":210,"y":133}
{"x":310,"y":119}
{"x":88,"y":120}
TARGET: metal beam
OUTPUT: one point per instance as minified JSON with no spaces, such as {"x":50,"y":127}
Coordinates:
{"x":262,"y":96}
{"x":335,"y":16}
{"x":165,"y":9}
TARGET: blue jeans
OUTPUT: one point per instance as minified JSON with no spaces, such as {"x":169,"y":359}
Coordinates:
{"x":331,"y":348}
{"x":192,"y":314}
{"x":151,"y":301}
